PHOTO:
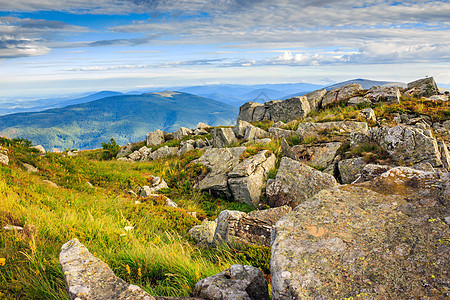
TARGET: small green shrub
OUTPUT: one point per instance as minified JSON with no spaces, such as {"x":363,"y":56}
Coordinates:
{"x":110,"y":149}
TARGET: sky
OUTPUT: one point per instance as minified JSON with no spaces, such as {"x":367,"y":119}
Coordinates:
{"x":62,"y":47}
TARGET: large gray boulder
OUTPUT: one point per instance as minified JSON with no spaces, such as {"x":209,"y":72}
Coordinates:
{"x":289,"y":109}
{"x":315,"y":99}
{"x":155,"y":138}
{"x":39,"y":148}
{"x":280,"y":133}
{"x":125,"y":150}
{"x":164,"y":152}
{"x":407,"y":144}
{"x":370,"y":171}
{"x":235,"y":227}
{"x":253,"y":133}
{"x":182,"y":132}
{"x":239,"y":129}
{"x":87,"y":277}
{"x":424,"y":87}
{"x":319,"y":156}
{"x":219,"y":161}
{"x":238,"y":282}
{"x":350,"y":169}
{"x":143,"y":154}
{"x":295,"y":182}
{"x":4,"y":159}
{"x":203,"y":234}
{"x":247,"y":179}
{"x":222,"y":137}
{"x":445,"y":155}
{"x":247,"y":111}
{"x":340,"y":127}
{"x":341,"y":93}
{"x":376,"y":238}
{"x":387,"y":94}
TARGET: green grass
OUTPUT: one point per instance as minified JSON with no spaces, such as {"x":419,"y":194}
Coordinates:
{"x":156,"y":254}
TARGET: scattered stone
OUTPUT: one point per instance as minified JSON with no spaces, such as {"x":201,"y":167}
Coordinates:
{"x":318,"y":156}
{"x":89,"y":185}
{"x":72,"y":153}
{"x":350,"y":169}
{"x":185,"y":149}
{"x":203,"y":234}
{"x":157,"y":183}
{"x":125,"y":150}
{"x":200,"y":132}
{"x":30,"y":169}
{"x":203,"y":126}
{"x":132,"y":193}
{"x":219,"y":161}
{"x":155,"y":138}
{"x":143,"y":154}
{"x":39,"y":148}
{"x":438,"y":98}
{"x":252,"y":133}
{"x":126,"y":159}
{"x":341,"y":93}
{"x":280,"y":133}
{"x":222,"y":137}
{"x":295,"y":182}
{"x":368,"y":114}
{"x":342,"y":127}
{"x":238,"y":282}
{"x":12,"y":228}
{"x":87,"y":277}
{"x":389,"y":94}
{"x":164,"y":152}
{"x":180,"y":133}
{"x":239,"y":129}
{"x":247,"y":179}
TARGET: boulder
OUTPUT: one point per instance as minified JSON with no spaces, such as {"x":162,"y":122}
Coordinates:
{"x":376,"y":238}
{"x":222,"y":137}
{"x":203,"y":234}
{"x":357,"y":100}
{"x":4,"y":159}
{"x":235,"y":227}
{"x":156,"y":183}
{"x":239,"y":129}
{"x":407,"y":144}
{"x":341,"y":93}
{"x":30,"y":169}
{"x":341,"y":127}
{"x":424,"y":87}
{"x":87,"y":277}
{"x":180,"y":133}
{"x":368,"y":114}
{"x":289,"y":109}
{"x":247,"y":179}
{"x":185,"y":148}
{"x":315,"y":99}
{"x":295,"y":182}
{"x":389,"y":94}
{"x":219,"y":161}
{"x":155,"y":138}
{"x":370,"y":171}
{"x":438,"y":98}
{"x":200,"y":132}
{"x":445,"y":155}
{"x":280,"y":133}
{"x":200,"y":143}
{"x":319,"y":156}
{"x":238,"y":282}
{"x":143,"y":154}
{"x":39,"y":148}
{"x":247,"y":110}
{"x":50,"y":183}
{"x":350,"y":169}
{"x":125,"y":150}
{"x":203,"y":126}
{"x":253,"y":133}
{"x":164,"y":152}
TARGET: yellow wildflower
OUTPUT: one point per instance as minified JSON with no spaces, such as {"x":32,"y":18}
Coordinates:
{"x":2,"y":261}
{"x":139,"y":272}
{"x":128,"y":269}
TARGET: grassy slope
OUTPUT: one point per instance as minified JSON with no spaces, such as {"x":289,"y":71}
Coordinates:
{"x":158,"y":252}
{"x":125,"y":118}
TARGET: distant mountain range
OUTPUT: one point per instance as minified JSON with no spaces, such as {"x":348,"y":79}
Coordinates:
{"x":126,"y":118}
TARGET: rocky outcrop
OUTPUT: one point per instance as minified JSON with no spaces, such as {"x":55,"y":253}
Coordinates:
{"x":386,"y":94}
{"x":219,"y":161}
{"x":155,"y":138}
{"x":350,"y":169}
{"x":125,"y":150}
{"x":239,"y":129}
{"x":315,"y":99}
{"x":87,"y":277}
{"x":236,"y":227}
{"x":424,"y":87}
{"x":407,"y":144}
{"x":341,"y":93}
{"x":222,"y":137}
{"x":186,"y":147}
{"x":296,"y":182}
{"x":238,"y":282}
{"x":253,"y":133}
{"x":286,"y":110}
{"x":182,"y":132}
{"x":203,"y":234}
{"x":143,"y":154}
{"x":370,"y":171}
{"x":376,"y":238}
{"x":164,"y":152}
{"x":247,"y":179}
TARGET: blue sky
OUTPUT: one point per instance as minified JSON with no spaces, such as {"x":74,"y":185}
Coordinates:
{"x":56,"y":47}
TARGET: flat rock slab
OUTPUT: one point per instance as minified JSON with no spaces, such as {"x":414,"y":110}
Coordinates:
{"x":384,"y":239}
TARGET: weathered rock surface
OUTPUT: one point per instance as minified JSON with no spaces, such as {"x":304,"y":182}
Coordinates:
{"x":203,"y":234}
{"x":185,"y":148}
{"x":253,"y":228}
{"x":368,"y":114}
{"x":424,"y":87}
{"x":4,"y":159}
{"x":341,"y":93}
{"x":50,"y":183}
{"x":87,"y":277}
{"x":357,"y":100}
{"x":343,"y":127}
{"x":238,"y":282}
{"x":253,"y":133}
{"x":407,"y":144}
{"x":39,"y":148}
{"x":30,"y":169}
{"x":315,"y":98}
{"x":248,"y":177}
{"x":222,"y":137}
{"x":125,"y":150}
{"x":389,"y":94}
{"x":201,"y":125}
{"x":180,"y":133}
{"x":370,"y":171}
{"x":239,"y":129}
{"x":296,"y":182}
{"x":320,"y":156}
{"x":143,"y":154}
{"x":247,"y":110}
{"x":375,"y":239}
{"x":280,"y":133}
{"x":164,"y":152}
{"x":155,"y":138}
{"x":350,"y":169}
{"x":219,"y":161}
{"x":445,"y":155}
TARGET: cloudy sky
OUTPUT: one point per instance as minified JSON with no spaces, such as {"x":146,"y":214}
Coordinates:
{"x":69,"y":46}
